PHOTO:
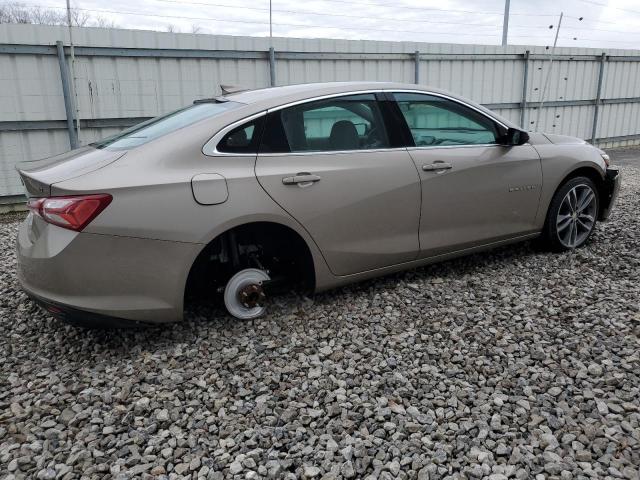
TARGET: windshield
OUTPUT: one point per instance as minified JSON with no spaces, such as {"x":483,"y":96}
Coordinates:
{"x":156,"y":127}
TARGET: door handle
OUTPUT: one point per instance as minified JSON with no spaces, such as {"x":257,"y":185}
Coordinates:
{"x":434,"y":167}
{"x":303,"y":179}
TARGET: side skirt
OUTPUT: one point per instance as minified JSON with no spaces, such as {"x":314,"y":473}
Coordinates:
{"x":357,"y":277}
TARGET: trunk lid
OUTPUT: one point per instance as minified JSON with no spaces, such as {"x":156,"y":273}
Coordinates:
{"x":39,"y":175}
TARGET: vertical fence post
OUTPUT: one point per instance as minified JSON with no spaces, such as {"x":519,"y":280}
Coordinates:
{"x":66,"y":93}
{"x":272,"y":66}
{"x":596,"y":104}
{"x":416,"y":74}
{"x":525,"y":81}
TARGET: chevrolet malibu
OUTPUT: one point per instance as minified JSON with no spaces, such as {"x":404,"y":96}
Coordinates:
{"x":300,"y":187}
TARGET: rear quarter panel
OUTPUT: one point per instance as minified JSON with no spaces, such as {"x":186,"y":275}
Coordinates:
{"x":153,"y":198}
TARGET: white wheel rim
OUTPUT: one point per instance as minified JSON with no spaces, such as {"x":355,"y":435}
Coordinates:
{"x":242,"y":279}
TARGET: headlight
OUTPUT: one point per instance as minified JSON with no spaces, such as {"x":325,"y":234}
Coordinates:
{"x":606,"y":158}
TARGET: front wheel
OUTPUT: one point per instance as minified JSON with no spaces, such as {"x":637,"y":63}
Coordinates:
{"x":572,"y":215}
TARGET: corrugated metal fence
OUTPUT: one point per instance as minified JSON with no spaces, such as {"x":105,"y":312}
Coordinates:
{"x":122,"y":77}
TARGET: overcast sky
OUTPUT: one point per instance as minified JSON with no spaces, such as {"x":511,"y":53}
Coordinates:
{"x":605,"y":24}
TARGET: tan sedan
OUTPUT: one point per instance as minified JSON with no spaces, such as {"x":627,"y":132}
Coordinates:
{"x":306,"y":186}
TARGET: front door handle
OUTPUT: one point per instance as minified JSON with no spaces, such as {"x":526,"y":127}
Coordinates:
{"x":302,"y":179}
{"x":434,"y":167}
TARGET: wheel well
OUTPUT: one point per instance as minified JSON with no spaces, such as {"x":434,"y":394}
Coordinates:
{"x":597,"y":179}
{"x":268,"y":246}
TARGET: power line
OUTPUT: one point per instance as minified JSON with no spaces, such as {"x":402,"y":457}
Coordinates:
{"x":626,"y":32}
{"x":592,"y":2}
{"x":435,"y":22}
{"x":433,"y":9}
{"x":586,"y":20}
{"x":601,"y":40}
{"x":303,"y":12}
{"x":368,"y":17}
{"x":422,"y":32}
{"x":346,"y":15}
{"x":380,"y":5}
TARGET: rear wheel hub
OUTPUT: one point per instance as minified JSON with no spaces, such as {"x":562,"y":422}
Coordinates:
{"x":251,"y":296}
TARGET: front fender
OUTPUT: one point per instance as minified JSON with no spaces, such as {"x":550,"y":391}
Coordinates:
{"x":559,"y":162}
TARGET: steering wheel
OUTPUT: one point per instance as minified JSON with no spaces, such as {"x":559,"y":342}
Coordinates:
{"x":372,"y":138}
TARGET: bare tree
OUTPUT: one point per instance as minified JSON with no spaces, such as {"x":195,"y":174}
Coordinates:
{"x":195,"y":28}
{"x":102,"y":22}
{"x":171,"y":28}
{"x":39,"y":15}
{"x":16,"y":12}
{"x":80,"y":18}
{"x":20,"y":13}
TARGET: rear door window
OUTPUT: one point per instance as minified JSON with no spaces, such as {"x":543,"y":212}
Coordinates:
{"x":352,"y":122}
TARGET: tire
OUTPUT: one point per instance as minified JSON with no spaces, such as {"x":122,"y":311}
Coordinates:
{"x":572,"y":215}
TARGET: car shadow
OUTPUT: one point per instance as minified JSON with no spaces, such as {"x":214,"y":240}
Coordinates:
{"x":209,"y":319}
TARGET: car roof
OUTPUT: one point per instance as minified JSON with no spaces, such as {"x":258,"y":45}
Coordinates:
{"x":265,"y":98}
{"x":308,"y":90}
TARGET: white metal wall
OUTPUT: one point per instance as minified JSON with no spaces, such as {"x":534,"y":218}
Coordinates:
{"x":122,"y":87}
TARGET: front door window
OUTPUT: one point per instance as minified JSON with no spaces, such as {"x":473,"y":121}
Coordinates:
{"x":437,"y":121}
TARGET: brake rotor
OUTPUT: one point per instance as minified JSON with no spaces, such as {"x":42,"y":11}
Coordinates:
{"x":244,"y":296}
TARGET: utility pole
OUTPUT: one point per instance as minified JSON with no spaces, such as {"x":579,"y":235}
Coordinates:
{"x":270,"y":24}
{"x":73,"y":69}
{"x":505,"y":22}
{"x":546,"y":81}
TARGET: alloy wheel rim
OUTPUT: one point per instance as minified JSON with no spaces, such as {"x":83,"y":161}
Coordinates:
{"x":576,"y":216}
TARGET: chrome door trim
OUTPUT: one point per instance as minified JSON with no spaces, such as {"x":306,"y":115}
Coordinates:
{"x":331,"y":152}
{"x":466,"y":145}
{"x":322,"y":97}
{"x":210,"y":148}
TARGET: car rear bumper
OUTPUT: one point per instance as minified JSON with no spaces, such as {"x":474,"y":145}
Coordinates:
{"x":103,"y":279}
{"x":612,"y":181}
{"x":83,"y":318}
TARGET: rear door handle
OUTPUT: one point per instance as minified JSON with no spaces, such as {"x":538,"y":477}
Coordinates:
{"x":302,"y":179}
{"x":434,"y":167}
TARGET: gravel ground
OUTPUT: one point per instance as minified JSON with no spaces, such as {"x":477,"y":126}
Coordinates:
{"x":509,"y":364}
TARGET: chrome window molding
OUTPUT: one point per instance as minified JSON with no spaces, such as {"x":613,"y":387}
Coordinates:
{"x":322,"y":97}
{"x":465,"y":145}
{"x":332,"y":152}
{"x":376,"y":150}
{"x":211,"y":147}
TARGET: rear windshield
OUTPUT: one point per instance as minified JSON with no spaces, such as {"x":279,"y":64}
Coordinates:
{"x":157,"y":127}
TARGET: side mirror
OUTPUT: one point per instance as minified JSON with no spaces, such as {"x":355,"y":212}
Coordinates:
{"x":513,"y":137}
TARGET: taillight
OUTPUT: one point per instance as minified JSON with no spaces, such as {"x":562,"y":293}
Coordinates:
{"x":72,"y":212}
